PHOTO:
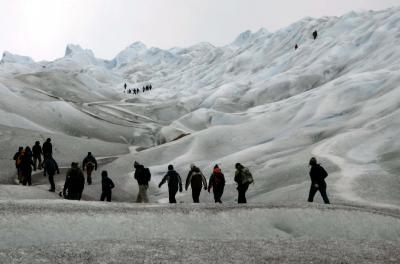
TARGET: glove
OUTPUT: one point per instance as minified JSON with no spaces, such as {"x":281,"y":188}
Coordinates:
{"x":205,"y":188}
{"x":159,"y":186}
{"x":180,"y":189}
{"x":208,"y":190}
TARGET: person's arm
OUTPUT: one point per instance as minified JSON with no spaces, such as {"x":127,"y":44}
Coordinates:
{"x":44,"y":168}
{"x":180,"y":182}
{"x":204,"y":181}
{"x":16,"y":156}
{"x":163,"y":180}
{"x":57,"y":169}
{"x":237,"y":175}
{"x":95,"y":164}
{"x":210,"y":183}
{"x":188,"y":180}
{"x":66,"y":185}
{"x":223,"y":179}
{"x":111,"y":184}
{"x":84,"y":163}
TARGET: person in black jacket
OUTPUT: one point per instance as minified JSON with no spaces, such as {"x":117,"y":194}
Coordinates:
{"x":143,"y":176}
{"x":74,"y":183}
{"x":26,"y":166}
{"x":37,"y":155}
{"x":196,"y":180}
{"x":217,"y":183}
{"x":174,"y":181}
{"x":315,"y":34}
{"x":90,"y":163}
{"x":317,"y":175}
{"x":50,"y":167}
{"x":107,"y":185}
{"x":47,"y":148}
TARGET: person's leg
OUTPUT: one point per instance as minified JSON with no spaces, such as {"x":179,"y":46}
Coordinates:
{"x":35,"y":160}
{"x":40,"y":162}
{"x":145,"y":198}
{"x":245,"y":187}
{"x":89,"y":175}
{"x":324,"y":195}
{"x":172,"y":193}
{"x":312,"y":193}
{"x":240,"y":193}
{"x":29,"y":180}
{"x":139,"y":196}
{"x":102,"y":197}
{"x":108,"y":197}
{"x":196,"y":195}
{"x":51,"y":180}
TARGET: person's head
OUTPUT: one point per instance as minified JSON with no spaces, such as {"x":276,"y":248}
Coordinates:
{"x":170,"y":167}
{"x":136,"y":164}
{"x":192,"y":166}
{"x":37,"y":143}
{"x":27,"y":149}
{"x":313,"y":161}
{"x":238,"y":166}
{"x":48,"y":140}
{"x":216,"y":166}
{"x":20,"y":149}
{"x":74,"y":165}
{"x":104,"y":174}
{"x":217,"y":169}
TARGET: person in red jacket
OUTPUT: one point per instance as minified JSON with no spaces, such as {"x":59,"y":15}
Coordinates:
{"x":217,"y":183}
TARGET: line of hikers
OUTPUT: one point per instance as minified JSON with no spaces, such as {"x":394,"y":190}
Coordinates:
{"x":314,"y":34}
{"x":145,"y":88}
{"x":27,"y":159}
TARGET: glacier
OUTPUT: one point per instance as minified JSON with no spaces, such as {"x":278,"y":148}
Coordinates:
{"x":257,"y":101}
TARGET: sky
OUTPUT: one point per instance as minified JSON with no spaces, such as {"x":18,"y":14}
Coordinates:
{"x":41,"y":29}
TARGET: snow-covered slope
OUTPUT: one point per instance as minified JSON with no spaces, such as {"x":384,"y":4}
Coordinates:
{"x":257,"y":101}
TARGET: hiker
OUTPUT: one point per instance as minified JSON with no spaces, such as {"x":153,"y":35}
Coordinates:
{"x":137,"y":90}
{"x":217,"y":183}
{"x":174,"y":181}
{"x":50,"y":167}
{"x":315,"y":34}
{"x":17,"y":158}
{"x":37,"y":155}
{"x":26,"y":166}
{"x":143,"y":176}
{"x":47,"y":147}
{"x":74,"y":183}
{"x":90,"y":163}
{"x":125,"y":87}
{"x":243,"y":178}
{"x":143,"y":89}
{"x":150,"y":87}
{"x":196,"y":180}
{"x":317,"y":175}
{"x":129,"y":91}
{"x":296,"y":47}
{"x":107,"y":185}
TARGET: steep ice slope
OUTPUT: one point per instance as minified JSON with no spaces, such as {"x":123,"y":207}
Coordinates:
{"x":257,"y":101}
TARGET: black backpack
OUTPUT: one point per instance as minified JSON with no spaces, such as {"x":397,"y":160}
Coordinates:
{"x":147,"y":174}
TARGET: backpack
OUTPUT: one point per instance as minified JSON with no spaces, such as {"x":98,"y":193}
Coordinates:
{"x":196,"y":179}
{"x":218,"y":179}
{"x":323,"y":172}
{"x":90,"y":165}
{"x":247,"y":177}
{"x":18,"y":161}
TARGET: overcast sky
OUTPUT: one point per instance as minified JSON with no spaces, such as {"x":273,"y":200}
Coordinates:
{"x":42,"y":28}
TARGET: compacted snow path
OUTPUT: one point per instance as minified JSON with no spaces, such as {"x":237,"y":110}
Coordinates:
{"x":47,"y":232}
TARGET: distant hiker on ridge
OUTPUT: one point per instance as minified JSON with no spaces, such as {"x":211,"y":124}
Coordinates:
{"x":196,"y":180}
{"x":125,"y":86}
{"x":315,"y":34}
{"x":174,"y":181}
{"x":143,"y":176}
{"x":243,"y":178}
{"x":296,"y":47}
{"x":317,"y":175}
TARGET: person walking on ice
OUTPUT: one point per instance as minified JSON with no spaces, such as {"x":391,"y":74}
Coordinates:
{"x":217,"y":183}
{"x":90,"y":163}
{"x":50,"y":167}
{"x":196,"y":180}
{"x":107,"y":186}
{"x":317,"y":175}
{"x":243,"y":178}
{"x":143,"y":176}
{"x":174,"y":182}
